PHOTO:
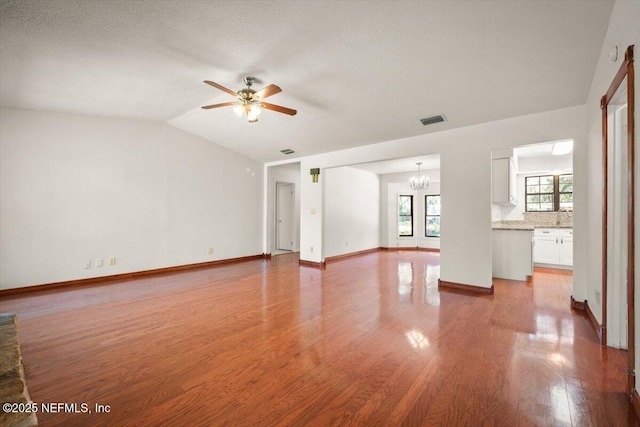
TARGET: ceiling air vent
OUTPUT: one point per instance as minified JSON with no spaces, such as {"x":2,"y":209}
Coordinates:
{"x":433,"y":119}
{"x":287,"y":151}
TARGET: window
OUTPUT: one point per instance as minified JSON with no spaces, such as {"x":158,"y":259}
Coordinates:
{"x":549,"y":193}
{"x":539,"y":193}
{"x":405,"y":216}
{"x":565,"y":191}
{"x":432,"y":215}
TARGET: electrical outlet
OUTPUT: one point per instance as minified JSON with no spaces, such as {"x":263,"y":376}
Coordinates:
{"x":210,"y":251}
{"x":112,"y":260}
{"x":311,"y":249}
{"x":313,"y":211}
{"x":346,"y":243}
{"x":99,"y":262}
{"x":87,"y":264}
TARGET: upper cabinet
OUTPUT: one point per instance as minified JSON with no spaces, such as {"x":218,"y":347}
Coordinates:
{"x":504,"y":187}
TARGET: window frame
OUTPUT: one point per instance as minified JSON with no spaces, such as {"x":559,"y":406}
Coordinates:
{"x":427,"y":216}
{"x":410,"y":196}
{"x":555,"y":195}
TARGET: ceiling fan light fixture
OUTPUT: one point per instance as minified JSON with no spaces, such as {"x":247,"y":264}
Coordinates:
{"x":254,"y":109}
{"x":239,"y":110}
{"x":249,"y":101}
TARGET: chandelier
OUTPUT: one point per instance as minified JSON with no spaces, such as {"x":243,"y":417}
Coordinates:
{"x":419,"y":182}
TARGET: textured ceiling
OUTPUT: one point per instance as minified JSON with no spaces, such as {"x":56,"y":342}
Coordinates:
{"x":357,"y":72}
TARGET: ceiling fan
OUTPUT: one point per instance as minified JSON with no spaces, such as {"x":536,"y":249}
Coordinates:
{"x":249,"y":101}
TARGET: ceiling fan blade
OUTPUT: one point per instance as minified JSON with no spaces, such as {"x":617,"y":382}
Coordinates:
{"x":222,"y":88}
{"x":278,"y":108}
{"x":224,"y":104}
{"x":268,"y":91}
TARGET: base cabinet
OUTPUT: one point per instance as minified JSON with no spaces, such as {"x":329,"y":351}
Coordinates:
{"x":553,"y":247}
{"x":512,"y":257}
{"x":566,"y":251}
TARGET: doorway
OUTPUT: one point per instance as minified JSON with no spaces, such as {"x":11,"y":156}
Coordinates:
{"x":618,"y":216}
{"x":284,"y":218}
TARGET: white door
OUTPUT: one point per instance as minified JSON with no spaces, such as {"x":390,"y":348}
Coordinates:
{"x":284,"y":216}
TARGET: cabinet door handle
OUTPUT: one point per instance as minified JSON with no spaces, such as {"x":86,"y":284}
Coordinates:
{"x":556,"y":240}
{"x":562,"y":240}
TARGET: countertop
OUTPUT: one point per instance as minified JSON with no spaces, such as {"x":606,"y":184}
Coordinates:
{"x":523,"y":227}
{"x":514,"y":227}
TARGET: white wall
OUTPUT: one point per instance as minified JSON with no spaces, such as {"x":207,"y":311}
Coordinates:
{"x":74,"y":188}
{"x":623,"y":31}
{"x":391,"y":186}
{"x":465,"y":180}
{"x":282,"y":174}
{"x":352,"y":211}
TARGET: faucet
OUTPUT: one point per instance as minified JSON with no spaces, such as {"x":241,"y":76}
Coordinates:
{"x":567,"y":210}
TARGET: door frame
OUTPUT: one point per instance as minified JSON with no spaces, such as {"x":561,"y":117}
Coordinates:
{"x":625,"y":71}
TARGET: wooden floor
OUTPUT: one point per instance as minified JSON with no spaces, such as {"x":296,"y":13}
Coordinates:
{"x":368,"y":341}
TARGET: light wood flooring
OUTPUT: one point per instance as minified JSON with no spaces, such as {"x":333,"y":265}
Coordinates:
{"x":367,"y":341}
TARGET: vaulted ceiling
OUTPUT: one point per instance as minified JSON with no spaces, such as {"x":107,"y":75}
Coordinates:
{"x":358,"y":72}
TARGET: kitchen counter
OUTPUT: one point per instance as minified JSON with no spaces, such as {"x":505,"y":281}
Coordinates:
{"x":513,"y":227}
{"x":524,"y":227}
{"x":512,"y":253}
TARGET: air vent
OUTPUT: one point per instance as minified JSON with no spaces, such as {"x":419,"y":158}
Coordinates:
{"x":287,"y":151}
{"x":433,"y":119}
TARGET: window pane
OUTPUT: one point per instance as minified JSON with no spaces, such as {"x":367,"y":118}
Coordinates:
{"x":546,"y":198}
{"x":533,"y":188}
{"x":546,"y":207}
{"x":566,"y":205}
{"x":546,"y":180}
{"x":533,"y":207}
{"x":433,"y":226}
{"x":546,"y":188}
{"x":405,"y":205}
{"x":433,"y":205}
{"x":566,"y":198}
{"x":534,"y":198}
{"x":533,"y":180}
{"x":566,"y":188}
{"x":404,"y":226}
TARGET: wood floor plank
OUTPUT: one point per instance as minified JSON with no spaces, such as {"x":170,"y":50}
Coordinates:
{"x":368,"y":340}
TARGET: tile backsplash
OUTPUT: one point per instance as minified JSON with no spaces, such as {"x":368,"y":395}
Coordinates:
{"x":544,"y":219}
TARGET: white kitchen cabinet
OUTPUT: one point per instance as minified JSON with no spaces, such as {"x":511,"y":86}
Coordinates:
{"x":512,"y":258}
{"x":504,"y":182}
{"x":553,"y":247}
{"x":566,"y":250}
{"x":546,"y":250}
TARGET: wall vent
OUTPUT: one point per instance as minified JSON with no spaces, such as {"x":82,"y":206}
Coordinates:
{"x":287,"y":151}
{"x":433,"y":119}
